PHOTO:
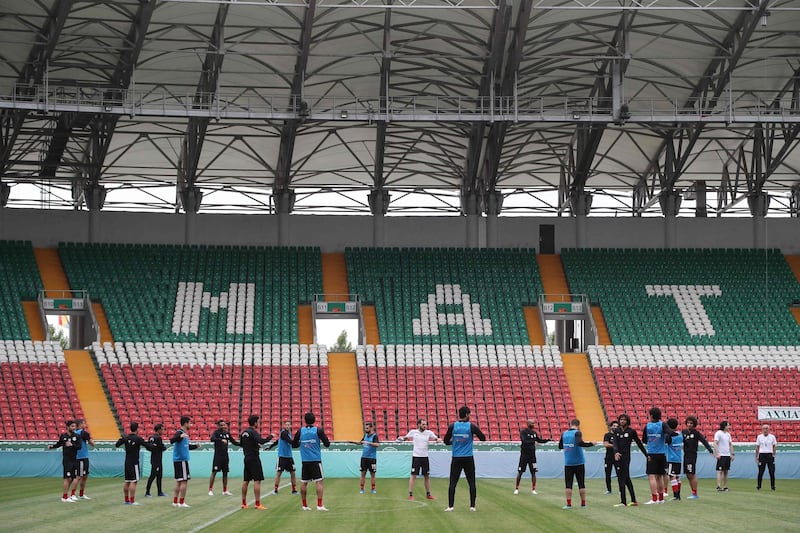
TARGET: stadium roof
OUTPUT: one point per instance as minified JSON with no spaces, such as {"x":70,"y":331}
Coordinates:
{"x":447,"y":106}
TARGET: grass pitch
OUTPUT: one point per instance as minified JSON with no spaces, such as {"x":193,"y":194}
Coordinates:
{"x":34,"y":505}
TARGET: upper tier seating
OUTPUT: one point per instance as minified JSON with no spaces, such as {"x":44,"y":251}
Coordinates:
{"x":503,"y":385}
{"x":19,"y":280}
{"x":197,"y":293}
{"x":38,"y":393}
{"x":159,"y":382}
{"x":689,"y":297}
{"x":714,"y":383}
{"x":446,"y":295}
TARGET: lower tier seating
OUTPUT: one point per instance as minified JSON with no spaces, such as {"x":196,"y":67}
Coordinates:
{"x":38,"y":392}
{"x":714,"y":383}
{"x":159,"y":382}
{"x":503,"y":385}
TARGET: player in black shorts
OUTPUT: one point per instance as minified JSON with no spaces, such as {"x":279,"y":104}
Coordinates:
{"x":221,"y":437}
{"x":609,"y":462}
{"x":251,"y":441}
{"x":692,"y":439}
{"x":157,"y":449}
{"x":527,"y":457}
{"x":70,"y":442}
{"x":133,"y":445}
{"x":285,"y":458}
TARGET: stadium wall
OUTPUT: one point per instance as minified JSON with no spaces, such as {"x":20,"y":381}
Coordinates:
{"x":30,"y":461}
{"x":46,"y":228}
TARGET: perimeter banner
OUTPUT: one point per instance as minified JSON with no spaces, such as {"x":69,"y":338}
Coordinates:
{"x":779,"y":413}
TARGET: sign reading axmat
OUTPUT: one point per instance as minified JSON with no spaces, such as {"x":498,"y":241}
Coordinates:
{"x":779,"y":413}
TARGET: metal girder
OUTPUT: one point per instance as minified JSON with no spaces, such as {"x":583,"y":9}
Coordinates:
{"x":497,"y":131}
{"x":765,"y":159}
{"x":379,"y":179}
{"x":608,"y":90}
{"x":492,"y":71}
{"x":120,"y":80}
{"x":289,"y":130}
{"x":706,"y":93}
{"x":31,"y":75}
{"x":192,"y":145}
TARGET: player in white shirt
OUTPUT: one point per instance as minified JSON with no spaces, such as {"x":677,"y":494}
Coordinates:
{"x":766,"y":447}
{"x":723,"y":451}
{"x":420,"y":464}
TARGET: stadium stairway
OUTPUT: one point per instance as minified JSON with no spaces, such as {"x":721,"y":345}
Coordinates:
{"x":50,"y":269}
{"x":102,"y":323}
{"x":34,"y":320}
{"x":371,"y":324}
{"x":794,"y":265}
{"x":584,"y":394}
{"x":345,"y":397}
{"x":534,"y":324}
{"x":603,"y":337}
{"x":305,"y":326}
{"x":554,"y":281}
{"x":91,"y":395}
{"x":334,"y":275}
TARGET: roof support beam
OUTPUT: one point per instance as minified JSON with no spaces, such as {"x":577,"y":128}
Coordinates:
{"x":608,"y":90}
{"x":379,"y":198}
{"x":120,"y":80}
{"x":491,"y":74}
{"x":281,"y":185}
{"x":193,"y":139}
{"x":766,"y":155}
{"x":704,"y":96}
{"x":31,"y":75}
{"x":497,"y":131}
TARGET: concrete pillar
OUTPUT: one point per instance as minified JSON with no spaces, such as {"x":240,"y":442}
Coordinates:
{"x":700,"y":209}
{"x":670,"y":206}
{"x":470,"y":208}
{"x":580,"y":203}
{"x":284,"y":203}
{"x":191,"y":199}
{"x":759,"y":206}
{"x":95,"y":198}
{"x":494,"y":203}
{"x":378,"y":206}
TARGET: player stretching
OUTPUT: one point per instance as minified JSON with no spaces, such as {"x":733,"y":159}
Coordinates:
{"x":308,"y":439}
{"x":369,"y":456}
{"x":527,"y":456}
{"x":157,"y":450}
{"x":460,"y":435}
{"x":180,"y":460}
{"x":625,"y":436}
{"x":285,"y":459}
{"x":574,"y":461}
{"x":420,"y":463}
{"x":133,"y":445}
{"x":674,"y":459}
{"x":83,"y":457}
{"x":691,"y":442}
{"x":70,"y":443}
{"x":655,"y":436}
{"x":221,"y":437}
{"x":251,"y":442}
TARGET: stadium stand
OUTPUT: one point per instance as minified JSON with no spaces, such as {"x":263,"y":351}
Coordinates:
{"x":185,"y":294}
{"x":468,"y":285}
{"x":38,"y":393}
{"x":20,"y":282}
{"x":689,"y":297}
{"x":155,"y":382}
{"x":505,"y":384}
{"x":714,"y":383}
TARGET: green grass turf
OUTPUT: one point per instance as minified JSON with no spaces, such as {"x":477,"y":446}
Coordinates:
{"x":33,"y":505}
